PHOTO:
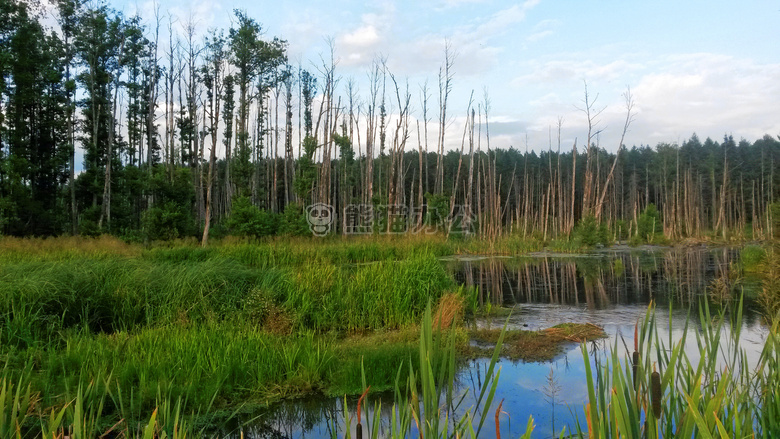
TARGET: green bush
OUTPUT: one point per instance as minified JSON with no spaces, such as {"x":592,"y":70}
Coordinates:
{"x":774,"y":212}
{"x":292,"y":222}
{"x":438,"y":209}
{"x":247,"y":219}
{"x":620,"y":229}
{"x":590,"y":232}
{"x":88,"y":224}
{"x":169,"y":221}
{"x":649,"y":224}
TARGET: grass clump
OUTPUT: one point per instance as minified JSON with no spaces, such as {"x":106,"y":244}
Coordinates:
{"x":542,"y":345}
{"x":769,"y":297}
{"x":752,"y":257}
{"x":38,"y":300}
{"x":664,"y":392}
{"x":382,"y":295}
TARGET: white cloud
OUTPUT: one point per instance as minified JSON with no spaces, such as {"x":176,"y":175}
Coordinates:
{"x":456,"y":3}
{"x":542,"y":30}
{"x":505,"y":18}
{"x":710,"y":94}
{"x":676,"y":95}
{"x":576,"y":69}
{"x":372,"y":36}
{"x":364,"y":36}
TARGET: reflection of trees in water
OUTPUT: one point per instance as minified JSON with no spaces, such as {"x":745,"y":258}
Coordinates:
{"x":677,"y":276}
{"x":317,"y":417}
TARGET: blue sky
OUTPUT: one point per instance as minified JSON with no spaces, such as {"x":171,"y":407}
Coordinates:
{"x":710,"y":67}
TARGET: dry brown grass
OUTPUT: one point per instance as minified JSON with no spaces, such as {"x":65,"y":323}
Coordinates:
{"x":449,"y":311}
{"x":64,"y":247}
{"x":279,"y":321}
{"x":541,"y":345}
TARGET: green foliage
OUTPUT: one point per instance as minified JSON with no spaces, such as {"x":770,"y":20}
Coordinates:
{"x":307,"y":172}
{"x":247,"y":219}
{"x":621,"y":229}
{"x":774,"y":212}
{"x":166,"y":222}
{"x":89,"y":222}
{"x":590,"y":232}
{"x":742,"y":402}
{"x":386,"y":294}
{"x":170,"y":217}
{"x":649,"y":224}
{"x":292,"y":222}
{"x":751,"y":257}
{"x":438,"y":209}
{"x":769,"y":297}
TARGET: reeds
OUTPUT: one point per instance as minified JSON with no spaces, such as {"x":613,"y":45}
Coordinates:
{"x":673,"y":396}
{"x":426,"y":403}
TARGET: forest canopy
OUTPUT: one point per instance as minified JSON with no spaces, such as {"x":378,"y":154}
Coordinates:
{"x":105,"y":128}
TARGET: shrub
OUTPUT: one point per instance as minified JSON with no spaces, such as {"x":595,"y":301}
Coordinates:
{"x":247,"y":219}
{"x":292,"y":222}
{"x":88,"y":226}
{"x":620,"y":229}
{"x":769,"y":297}
{"x":169,"y":221}
{"x":590,"y":232}
{"x":649,"y":223}
{"x":774,"y":212}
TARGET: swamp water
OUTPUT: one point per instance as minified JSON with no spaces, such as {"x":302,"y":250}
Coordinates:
{"x":610,"y":288}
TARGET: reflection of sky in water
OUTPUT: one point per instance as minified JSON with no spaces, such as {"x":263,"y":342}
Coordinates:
{"x":546,"y":291}
{"x":523,"y":384}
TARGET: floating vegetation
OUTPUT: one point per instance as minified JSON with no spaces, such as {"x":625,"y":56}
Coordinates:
{"x":543,"y":345}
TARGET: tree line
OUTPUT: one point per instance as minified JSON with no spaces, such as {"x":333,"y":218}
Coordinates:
{"x":220,"y":134}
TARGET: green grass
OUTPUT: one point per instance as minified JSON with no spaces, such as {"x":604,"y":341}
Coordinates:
{"x":210,"y":327}
{"x":97,"y":334}
{"x":695,"y":398}
{"x":752,"y":257}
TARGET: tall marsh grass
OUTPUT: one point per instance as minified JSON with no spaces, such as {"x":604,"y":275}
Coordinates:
{"x":381,"y":295}
{"x":14,"y":250}
{"x":39,"y":300}
{"x":659,"y":391}
{"x":663,"y":391}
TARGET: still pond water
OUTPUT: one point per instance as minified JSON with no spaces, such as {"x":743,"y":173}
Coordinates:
{"x":610,"y":288}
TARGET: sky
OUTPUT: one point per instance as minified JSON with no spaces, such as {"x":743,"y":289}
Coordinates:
{"x":709,"y":67}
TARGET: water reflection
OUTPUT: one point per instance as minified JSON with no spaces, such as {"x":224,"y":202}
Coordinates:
{"x":610,"y":288}
{"x":597,"y":281}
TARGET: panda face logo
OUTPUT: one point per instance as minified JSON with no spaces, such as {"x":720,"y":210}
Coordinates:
{"x":320,"y":218}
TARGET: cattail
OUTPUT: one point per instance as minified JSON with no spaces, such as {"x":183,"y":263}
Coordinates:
{"x":359,"y":428}
{"x":498,"y":427}
{"x":635,"y":358}
{"x":655,"y":381}
{"x":635,"y":366}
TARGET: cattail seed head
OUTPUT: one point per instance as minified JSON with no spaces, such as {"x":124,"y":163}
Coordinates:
{"x":635,"y":366}
{"x":655,"y":381}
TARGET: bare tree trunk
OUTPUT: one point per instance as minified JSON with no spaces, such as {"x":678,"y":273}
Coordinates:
{"x":592,"y":115}
{"x":106,"y":211}
{"x":629,"y":119}
{"x":573,"y":185}
{"x":445,"y":87}
{"x":467,"y":129}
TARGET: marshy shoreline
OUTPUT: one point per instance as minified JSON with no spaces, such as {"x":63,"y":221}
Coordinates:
{"x":122,"y":331}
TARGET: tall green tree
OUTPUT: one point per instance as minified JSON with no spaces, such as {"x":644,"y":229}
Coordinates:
{"x":34,"y":126}
{"x":255,"y":61}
